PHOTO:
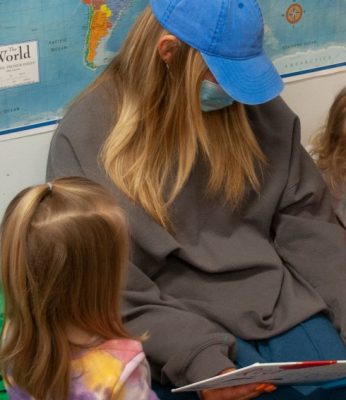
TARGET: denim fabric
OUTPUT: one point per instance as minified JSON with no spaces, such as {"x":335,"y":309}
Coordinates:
{"x":314,"y":339}
{"x":164,"y":393}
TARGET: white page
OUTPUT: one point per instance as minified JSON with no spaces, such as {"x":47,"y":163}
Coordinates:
{"x":275,"y":373}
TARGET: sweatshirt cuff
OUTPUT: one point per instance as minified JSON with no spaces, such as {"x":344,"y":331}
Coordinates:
{"x":208,"y":363}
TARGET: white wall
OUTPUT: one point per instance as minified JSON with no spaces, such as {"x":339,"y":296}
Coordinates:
{"x":23,"y":159}
{"x":311,"y":99}
{"x":22,"y":163}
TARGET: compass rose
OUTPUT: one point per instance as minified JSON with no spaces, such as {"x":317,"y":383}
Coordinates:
{"x":294,"y":13}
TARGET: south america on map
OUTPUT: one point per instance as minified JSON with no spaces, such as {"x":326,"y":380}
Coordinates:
{"x":103,"y":18}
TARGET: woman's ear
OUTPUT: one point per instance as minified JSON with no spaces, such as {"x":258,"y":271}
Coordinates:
{"x":167,"y":47}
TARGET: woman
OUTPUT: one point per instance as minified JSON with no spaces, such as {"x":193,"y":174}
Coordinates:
{"x":236,"y":256}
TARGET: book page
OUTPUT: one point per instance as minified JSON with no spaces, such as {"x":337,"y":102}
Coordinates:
{"x":275,"y":373}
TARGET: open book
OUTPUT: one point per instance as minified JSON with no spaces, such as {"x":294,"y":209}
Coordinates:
{"x":288,"y":373}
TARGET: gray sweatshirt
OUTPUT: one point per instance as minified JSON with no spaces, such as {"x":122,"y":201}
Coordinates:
{"x":341,"y":211}
{"x":340,"y":205}
{"x":253,"y":273}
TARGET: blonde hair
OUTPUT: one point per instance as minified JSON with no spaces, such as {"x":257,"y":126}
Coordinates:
{"x":160,"y":128}
{"x":63,"y":256}
{"x":329,"y":146}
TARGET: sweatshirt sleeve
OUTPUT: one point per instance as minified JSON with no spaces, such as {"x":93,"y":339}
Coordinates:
{"x":61,"y":159}
{"x":307,"y":235}
{"x":184,"y":346}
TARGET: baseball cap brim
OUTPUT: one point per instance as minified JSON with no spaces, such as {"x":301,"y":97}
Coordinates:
{"x":249,"y":81}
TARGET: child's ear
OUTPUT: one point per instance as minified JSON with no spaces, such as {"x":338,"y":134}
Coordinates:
{"x":167,"y":47}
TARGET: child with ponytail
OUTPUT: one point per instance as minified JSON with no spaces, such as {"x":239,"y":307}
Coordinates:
{"x":64,"y":250}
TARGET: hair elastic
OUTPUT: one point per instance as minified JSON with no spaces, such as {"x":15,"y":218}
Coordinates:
{"x":50,"y":185}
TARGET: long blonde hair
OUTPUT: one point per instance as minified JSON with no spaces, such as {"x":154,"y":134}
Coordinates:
{"x":63,"y":255}
{"x":329,"y":146}
{"x":160,"y":128}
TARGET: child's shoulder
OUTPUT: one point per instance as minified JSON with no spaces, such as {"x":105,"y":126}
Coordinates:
{"x":123,"y":349}
{"x":105,"y":367}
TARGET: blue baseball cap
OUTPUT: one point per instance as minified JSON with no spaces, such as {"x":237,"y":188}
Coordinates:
{"x":229,"y":36}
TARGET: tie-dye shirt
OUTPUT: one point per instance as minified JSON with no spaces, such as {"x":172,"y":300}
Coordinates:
{"x":116,"y":369}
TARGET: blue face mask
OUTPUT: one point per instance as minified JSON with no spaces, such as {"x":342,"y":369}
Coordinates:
{"x":213,"y":97}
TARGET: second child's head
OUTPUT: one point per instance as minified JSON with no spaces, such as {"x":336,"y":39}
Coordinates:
{"x":329,"y":147}
{"x":64,"y":249}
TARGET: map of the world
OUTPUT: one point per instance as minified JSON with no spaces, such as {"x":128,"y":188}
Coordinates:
{"x":50,"y":50}
{"x":73,"y":40}
{"x":305,"y":36}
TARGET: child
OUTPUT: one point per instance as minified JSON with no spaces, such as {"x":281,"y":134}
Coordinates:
{"x":329,"y":150}
{"x":64,"y":249}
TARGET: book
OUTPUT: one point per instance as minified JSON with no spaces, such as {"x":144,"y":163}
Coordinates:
{"x":332,"y":372}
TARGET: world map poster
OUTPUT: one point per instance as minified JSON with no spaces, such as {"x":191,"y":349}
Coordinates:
{"x":305,"y":37}
{"x":50,"y":50}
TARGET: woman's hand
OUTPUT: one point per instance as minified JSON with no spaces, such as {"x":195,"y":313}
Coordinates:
{"x":242,"y":392}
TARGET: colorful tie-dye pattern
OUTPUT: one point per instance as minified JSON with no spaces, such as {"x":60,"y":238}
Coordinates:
{"x":117,"y":369}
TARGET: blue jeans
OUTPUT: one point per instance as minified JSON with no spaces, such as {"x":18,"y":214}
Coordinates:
{"x":314,"y":339}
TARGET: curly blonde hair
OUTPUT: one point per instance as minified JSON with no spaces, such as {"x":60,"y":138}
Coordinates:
{"x":329,"y":146}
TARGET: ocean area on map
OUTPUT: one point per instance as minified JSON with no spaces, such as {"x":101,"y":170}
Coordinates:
{"x":311,"y":60}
